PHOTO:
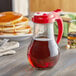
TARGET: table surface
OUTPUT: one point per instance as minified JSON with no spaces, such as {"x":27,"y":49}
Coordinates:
{"x":17,"y":64}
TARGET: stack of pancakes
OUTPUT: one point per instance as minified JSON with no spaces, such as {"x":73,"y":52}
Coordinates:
{"x":12,"y":23}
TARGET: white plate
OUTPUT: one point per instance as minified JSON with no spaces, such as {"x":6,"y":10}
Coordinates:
{"x":17,"y":37}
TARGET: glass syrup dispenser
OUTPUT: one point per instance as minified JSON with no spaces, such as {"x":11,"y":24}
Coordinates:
{"x":43,"y":50}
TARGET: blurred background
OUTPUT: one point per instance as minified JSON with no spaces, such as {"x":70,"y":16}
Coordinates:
{"x":20,"y":6}
{"x":48,"y":5}
{"x":27,"y":6}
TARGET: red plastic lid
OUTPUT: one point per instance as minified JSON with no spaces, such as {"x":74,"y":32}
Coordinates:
{"x":43,"y":17}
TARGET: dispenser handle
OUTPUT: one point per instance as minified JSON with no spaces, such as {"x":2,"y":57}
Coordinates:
{"x":60,"y":29}
{"x":60,"y":25}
